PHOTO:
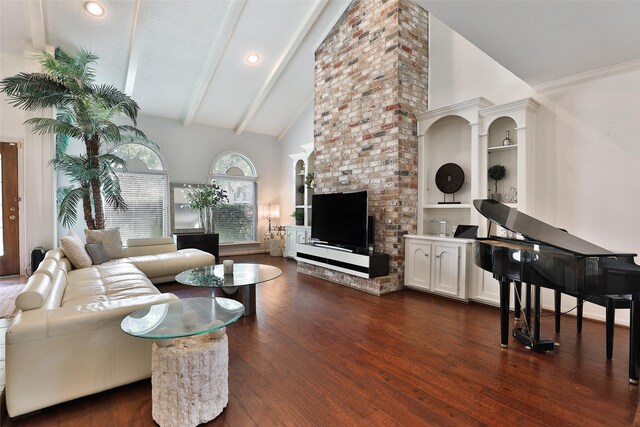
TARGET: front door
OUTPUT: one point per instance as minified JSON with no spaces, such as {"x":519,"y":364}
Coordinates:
{"x":9,"y":219}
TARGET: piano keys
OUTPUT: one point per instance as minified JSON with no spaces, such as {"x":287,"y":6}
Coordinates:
{"x":549,"y":257}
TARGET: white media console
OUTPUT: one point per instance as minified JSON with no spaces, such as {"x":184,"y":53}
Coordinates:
{"x":366,"y":265}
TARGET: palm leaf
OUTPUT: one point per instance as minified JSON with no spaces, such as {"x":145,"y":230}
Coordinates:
{"x":112,"y":98}
{"x":68,"y":199}
{"x":34,"y":91}
{"x":43,"y":125}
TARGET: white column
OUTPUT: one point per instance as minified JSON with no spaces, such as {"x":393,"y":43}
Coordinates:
{"x":37,"y":184}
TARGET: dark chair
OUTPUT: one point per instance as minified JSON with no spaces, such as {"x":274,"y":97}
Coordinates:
{"x":611,"y":303}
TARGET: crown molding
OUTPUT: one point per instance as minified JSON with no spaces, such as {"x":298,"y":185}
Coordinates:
{"x":587,"y":76}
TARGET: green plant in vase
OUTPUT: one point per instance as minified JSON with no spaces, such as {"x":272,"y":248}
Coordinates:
{"x":299,"y":216}
{"x":497,"y":173}
{"x":202,"y":199}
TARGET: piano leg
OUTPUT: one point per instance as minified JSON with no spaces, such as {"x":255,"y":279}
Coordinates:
{"x":504,"y":311}
{"x":634,"y":336}
{"x":557,"y":300}
{"x":579,"y":315}
{"x":517,"y":301}
{"x":523,"y":334}
{"x":527,"y":307}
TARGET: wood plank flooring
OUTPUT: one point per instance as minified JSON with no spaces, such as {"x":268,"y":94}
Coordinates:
{"x":317,"y":353}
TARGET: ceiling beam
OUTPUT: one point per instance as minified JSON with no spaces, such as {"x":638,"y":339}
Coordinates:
{"x":135,"y":44}
{"x":282,"y":62}
{"x":213,"y":60}
{"x":295,"y":117}
{"x":36,"y":22}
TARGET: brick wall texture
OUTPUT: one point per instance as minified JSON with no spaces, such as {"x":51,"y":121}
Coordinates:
{"x":370,"y":81}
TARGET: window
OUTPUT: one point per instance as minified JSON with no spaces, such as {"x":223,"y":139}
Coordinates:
{"x":236,"y":220}
{"x":144,"y":187}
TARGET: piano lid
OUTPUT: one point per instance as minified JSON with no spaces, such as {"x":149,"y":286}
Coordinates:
{"x":536,"y":230}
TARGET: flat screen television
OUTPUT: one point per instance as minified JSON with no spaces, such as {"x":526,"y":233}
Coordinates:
{"x":340,"y":219}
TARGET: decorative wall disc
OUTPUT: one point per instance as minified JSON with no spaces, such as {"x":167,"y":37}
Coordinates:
{"x":449,"y":178}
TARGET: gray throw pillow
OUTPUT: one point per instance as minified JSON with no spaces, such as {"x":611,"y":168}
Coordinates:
{"x":110,"y":239}
{"x":97,"y":253}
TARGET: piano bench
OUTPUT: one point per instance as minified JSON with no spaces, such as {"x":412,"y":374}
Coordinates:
{"x":611,"y":303}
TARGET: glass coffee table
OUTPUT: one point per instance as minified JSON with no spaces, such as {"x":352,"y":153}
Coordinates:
{"x":190,"y":358}
{"x":182,"y":318}
{"x":240,"y":286}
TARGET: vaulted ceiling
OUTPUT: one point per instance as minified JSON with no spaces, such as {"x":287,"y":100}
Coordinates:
{"x":186,"y":59}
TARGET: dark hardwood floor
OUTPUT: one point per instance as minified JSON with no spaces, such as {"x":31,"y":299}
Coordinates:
{"x":317,"y":353}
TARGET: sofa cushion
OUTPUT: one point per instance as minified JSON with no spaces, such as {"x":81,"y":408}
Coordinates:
{"x":97,"y":253}
{"x":152,"y":241}
{"x":106,"y":283}
{"x":169,"y":264}
{"x":110,"y":239}
{"x":48,"y":266}
{"x":74,"y":249}
{"x":35,"y":292}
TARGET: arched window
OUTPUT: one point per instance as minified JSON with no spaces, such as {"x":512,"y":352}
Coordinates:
{"x":236,"y":221}
{"x":144,"y":186}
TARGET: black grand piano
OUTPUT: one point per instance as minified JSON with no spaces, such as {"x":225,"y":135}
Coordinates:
{"x":552,"y":258}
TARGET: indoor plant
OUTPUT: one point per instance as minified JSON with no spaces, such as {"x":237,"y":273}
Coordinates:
{"x":497,"y":172}
{"x":202,"y":199}
{"x":299,"y":216}
{"x":84,"y":111}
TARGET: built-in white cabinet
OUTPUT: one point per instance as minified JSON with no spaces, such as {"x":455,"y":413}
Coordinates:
{"x":438,"y":264}
{"x":294,"y":235}
{"x":472,"y":135}
{"x":302,"y":181}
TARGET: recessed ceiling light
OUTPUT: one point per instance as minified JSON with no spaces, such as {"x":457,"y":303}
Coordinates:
{"x":253,"y":58}
{"x":94,"y":8}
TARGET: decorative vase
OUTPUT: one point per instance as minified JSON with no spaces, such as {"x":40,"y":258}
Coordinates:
{"x":207,"y":219}
{"x":507,"y":140}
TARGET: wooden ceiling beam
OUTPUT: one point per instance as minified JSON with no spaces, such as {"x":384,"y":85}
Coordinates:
{"x":282,"y":62}
{"x":293,"y":118}
{"x":214,"y":58}
{"x":135,"y":44}
{"x":36,"y":23}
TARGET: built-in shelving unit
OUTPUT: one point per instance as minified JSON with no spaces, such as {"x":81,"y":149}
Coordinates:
{"x":303,"y":196}
{"x":470,"y":134}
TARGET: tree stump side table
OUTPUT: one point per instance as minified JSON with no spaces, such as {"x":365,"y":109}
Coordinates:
{"x":190,"y":380}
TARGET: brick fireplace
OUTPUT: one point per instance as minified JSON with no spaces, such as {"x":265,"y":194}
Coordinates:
{"x":370,"y":81}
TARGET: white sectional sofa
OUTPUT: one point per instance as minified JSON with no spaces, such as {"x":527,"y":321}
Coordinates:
{"x":65,"y":341}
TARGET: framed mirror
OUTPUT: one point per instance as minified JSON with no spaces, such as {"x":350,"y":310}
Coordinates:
{"x":183,"y":218}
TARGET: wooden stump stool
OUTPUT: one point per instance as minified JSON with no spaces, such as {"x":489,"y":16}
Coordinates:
{"x":190,"y":380}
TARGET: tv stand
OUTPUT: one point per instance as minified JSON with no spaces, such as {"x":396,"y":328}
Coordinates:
{"x":337,"y":248}
{"x":367,"y":265}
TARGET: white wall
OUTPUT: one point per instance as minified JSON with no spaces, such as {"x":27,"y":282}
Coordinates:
{"x":587,"y":161}
{"x":300,"y":133}
{"x":36,"y":178}
{"x":189,"y":152}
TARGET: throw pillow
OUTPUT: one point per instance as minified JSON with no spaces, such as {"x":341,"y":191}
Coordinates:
{"x":110,"y":239}
{"x":73,"y":248}
{"x":97,"y":253}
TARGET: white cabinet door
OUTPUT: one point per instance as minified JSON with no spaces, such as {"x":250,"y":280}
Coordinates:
{"x":301,"y":236}
{"x":418,"y":264}
{"x":447,"y":269}
{"x":290,"y":245}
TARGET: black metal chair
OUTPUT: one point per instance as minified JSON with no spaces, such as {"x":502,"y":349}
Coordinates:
{"x":611,"y":303}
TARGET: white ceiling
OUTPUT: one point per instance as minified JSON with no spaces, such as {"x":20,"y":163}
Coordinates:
{"x":185,"y":59}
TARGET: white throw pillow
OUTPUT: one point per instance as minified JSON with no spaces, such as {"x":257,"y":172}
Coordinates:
{"x":73,"y":248}
{"x":110,"y":240}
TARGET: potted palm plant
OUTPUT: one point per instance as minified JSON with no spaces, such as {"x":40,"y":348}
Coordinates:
{"x":85,"y":111}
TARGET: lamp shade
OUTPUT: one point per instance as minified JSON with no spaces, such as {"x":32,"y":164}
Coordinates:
{"x":274,"y":211}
